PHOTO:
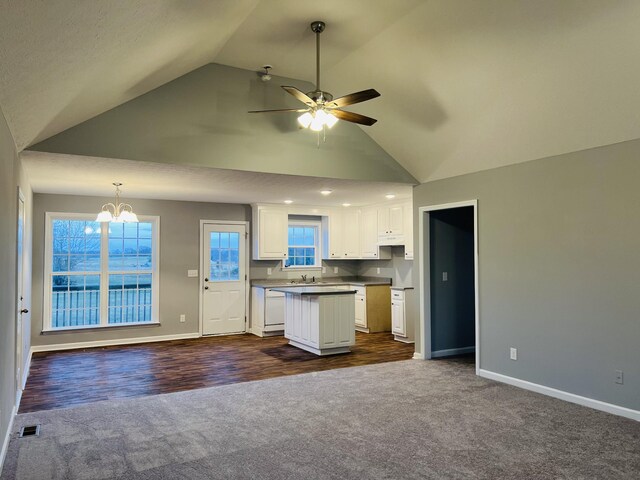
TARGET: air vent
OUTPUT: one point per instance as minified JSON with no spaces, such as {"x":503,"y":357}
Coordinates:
{"x":30,"y":431}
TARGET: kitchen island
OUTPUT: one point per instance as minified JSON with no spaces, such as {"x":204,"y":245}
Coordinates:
{"x":319,"y":319}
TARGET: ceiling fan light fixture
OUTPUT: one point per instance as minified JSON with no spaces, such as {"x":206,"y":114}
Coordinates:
{"x":317,"y":123}
{"x":330,"y":120}
{"x":305,"y":119}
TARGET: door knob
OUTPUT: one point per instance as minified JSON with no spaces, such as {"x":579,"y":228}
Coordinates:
{"x":24,"y":310}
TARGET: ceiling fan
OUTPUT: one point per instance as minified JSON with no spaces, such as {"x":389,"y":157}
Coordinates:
{"x":321,"y":108}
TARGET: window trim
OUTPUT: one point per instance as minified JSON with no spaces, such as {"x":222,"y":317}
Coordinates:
{"x":104,"y":274}
{"x":318,"y":261}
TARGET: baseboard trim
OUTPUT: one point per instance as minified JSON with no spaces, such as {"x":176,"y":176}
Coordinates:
{"x":452,"y":351}
{"x":418,"y":356}
{"x":562,"y":395}
{"x":27,"y":368}
{"x":7,"y":438}
{"x":108,"y":343}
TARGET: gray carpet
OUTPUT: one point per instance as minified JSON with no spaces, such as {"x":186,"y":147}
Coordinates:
{"x":409,"y":419}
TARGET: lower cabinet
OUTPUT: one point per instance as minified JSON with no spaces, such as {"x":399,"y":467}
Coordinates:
{"x":401,"y":325}
{"x":373,"y":309}
{"x":267,"y":312}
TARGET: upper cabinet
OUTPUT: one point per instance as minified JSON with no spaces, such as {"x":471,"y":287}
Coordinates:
{"x":408,"y":231}
{"x":391,"y":225}
{"x":270,"y":233}
{"x":343,"y":239}
{"x":347,"y":233}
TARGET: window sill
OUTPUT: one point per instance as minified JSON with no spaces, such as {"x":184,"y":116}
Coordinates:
{"x":85,"y":328}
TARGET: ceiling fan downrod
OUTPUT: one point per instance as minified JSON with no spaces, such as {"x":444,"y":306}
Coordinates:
{"x":317,"y":27}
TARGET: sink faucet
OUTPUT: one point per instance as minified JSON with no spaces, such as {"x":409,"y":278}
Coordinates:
{"x":304,"y":278}
{"x":313,"y":279}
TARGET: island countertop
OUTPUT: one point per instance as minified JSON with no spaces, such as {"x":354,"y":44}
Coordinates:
{"x":314,"y":290}
{"x":321,"y":281}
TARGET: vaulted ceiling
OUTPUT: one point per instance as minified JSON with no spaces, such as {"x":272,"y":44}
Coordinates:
{"x":466,"y":85}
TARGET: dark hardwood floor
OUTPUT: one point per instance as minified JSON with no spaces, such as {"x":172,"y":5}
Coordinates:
{"x":74,"y":377}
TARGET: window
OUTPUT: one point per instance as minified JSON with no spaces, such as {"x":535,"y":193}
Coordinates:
{"x":304,"y":244}
{"x":225,"y":256}
{"x":99,"y":274}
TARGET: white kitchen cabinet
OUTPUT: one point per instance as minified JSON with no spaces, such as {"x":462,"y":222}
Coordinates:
{"x":401,"y":327}
{"x":267,"y":312}
{"x":270,"y":226}
{"x":408,"y":231}
{"x":391,"y":225}
{"x":361,"y":307}
{"x":343,"y":236}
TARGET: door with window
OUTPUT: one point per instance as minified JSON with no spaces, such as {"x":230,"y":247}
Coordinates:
{"x":20,"y":292}
{"x":224,"y":279}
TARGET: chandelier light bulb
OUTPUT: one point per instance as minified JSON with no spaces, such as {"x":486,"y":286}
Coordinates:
{"x":305,"y":119}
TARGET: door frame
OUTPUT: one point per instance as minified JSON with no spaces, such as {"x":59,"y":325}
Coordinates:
{"x":19,"y":353}
{"x":425,"y":282}
{"x":247,"y":269}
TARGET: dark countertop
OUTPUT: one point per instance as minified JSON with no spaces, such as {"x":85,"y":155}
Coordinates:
{"x":326,"y":281}
{"x":401,"y":288}
{"x":314,"y":290}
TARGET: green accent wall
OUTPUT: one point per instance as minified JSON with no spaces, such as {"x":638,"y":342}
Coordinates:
{"x":201,"y":119}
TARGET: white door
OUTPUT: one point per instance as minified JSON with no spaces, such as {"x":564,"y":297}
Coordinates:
{"x":224,"y":282}
{"x":20,"y":287}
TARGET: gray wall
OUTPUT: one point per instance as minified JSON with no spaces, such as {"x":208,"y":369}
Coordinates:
{"x":201,"y":119}
{"x":179,"y":251}
{"x":8,"y":220}
{"x":452,"y":301}
{"x":397,"y":268}
{"x":559,"y":268}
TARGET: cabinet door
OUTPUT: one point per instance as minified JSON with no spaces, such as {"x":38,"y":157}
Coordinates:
{"x":396,"y":220}
{"x":383,"y":221}
{"x":408,"y":231}
{"x":334,"y":249}
{"x":272,"y":233}
{"x":369,"y":233}
{"x":361,"y":311}
{"x":351,"y":234}
{"x":398,"y":326}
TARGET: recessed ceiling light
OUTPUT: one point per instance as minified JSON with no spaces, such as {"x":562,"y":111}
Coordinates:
{"x":389,"y":196}
{"x":288,"y":201}
{"x":346,"y":204}
{"x":326,"y":192}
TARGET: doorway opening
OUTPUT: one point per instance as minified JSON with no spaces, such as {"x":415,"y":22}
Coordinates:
{"x":449,"y":279}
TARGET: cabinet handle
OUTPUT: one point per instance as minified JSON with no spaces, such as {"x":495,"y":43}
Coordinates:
{"x":375,"y":254}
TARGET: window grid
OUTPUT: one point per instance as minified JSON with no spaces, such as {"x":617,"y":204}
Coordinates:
{"x":224,"y":261}
{"x":303,"y":246}
{"x":92,"y":283}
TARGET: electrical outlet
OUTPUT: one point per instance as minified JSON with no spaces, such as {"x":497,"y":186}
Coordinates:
{"x":269,"y":271}
{"x":445,"y":276}
{"x":378,"y":270}
{"x":335,"y":269}
{"x":619,"y":377}
{"x":513,"y":353}
{"x":183,"y":318}
{"x":324,"y":269}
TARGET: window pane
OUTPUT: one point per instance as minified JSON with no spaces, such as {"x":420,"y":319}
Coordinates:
{"x":130,"y":230}
{"x":60,"y":228}
{"x":144,"y":246}
{"x":60,"y":263}
{"x":115,"y":246}
{"x":144,"y":230}
{"x":116,"y":230}
{"x":130,"y":246}
{"x":60,"y":243}
{"x":75,"y":300}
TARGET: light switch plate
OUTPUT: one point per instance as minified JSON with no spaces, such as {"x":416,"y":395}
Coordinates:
{"x":335,"y":269}
{"x":192,"y":273}
{"x":445,"y":276}
{"x":183,"y":318}
{"x":269,"y":271}
{"x":378,"y":270}
{"x":513,"y":353}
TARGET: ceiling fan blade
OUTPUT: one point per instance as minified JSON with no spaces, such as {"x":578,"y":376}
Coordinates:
{"x":280,"y":110}
{"x":303,"y":97}
{"x":354,"y":117}
{"x":352,"y":98}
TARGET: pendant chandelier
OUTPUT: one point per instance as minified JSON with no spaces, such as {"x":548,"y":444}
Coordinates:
{"x":117,"y":212}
